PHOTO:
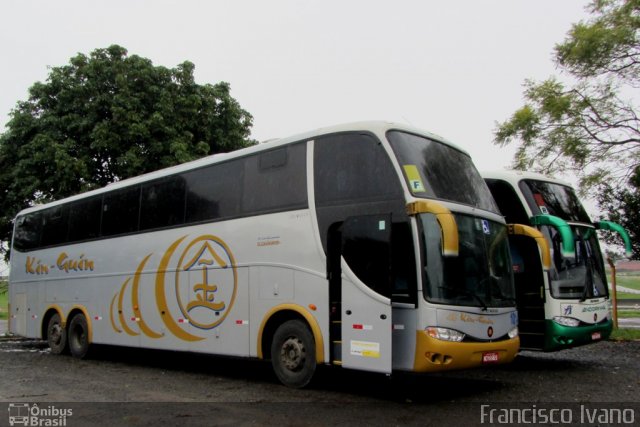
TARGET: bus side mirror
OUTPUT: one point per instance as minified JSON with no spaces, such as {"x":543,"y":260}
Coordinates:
{"x":543,"y":246}
{"x":446,"y":220}
{"x":612,"y":226}
{"x":568,"y":245}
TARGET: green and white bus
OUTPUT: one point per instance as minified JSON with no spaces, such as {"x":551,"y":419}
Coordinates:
{"x":371,"y":246}
{"x":561,"y":285}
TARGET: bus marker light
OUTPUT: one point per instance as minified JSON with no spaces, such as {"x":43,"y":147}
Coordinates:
{"x":242,"y":322}
{"x":313,"y":307}
{"x":97,"y":318}
{"x":490,"y":357}
{"x":183,"y":320}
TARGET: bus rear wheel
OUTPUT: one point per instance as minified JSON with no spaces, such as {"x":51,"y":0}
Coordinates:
{"x":56,"y":335}
{"x":78,"y":335}
{"x":293,"y":354}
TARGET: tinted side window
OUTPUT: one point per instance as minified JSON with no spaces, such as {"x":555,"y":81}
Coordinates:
{"x":275,"y":180}
{"x":215,"y":191}
{"x":27,"y":234}
{"x":353,"y":167}
{"x":54,"y":226}
{"x":162,"y":203}
{"x":366,"y":248}
{"x":120,"y":211}
{"x":84,"y":219}
{"x":508,"y":202}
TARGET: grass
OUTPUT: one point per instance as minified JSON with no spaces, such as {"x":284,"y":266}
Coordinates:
{"x":622,"y":334}
{"x":628,"y":281}
{"x":623,"y":295}
{"x":628,"y":314}
{"x":632,"y":282}
{"x":4,"y":300}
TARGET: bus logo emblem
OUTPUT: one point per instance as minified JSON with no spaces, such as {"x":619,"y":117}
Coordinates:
{"x":204,"y":288}
{"x":206,"y":274}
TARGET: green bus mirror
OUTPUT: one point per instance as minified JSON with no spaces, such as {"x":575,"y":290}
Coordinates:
{"x":568,"y":245}
{"x":612,"y":226}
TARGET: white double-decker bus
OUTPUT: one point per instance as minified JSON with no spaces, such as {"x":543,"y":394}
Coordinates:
{"x":371,"y":246}
{"x":563,"y":297}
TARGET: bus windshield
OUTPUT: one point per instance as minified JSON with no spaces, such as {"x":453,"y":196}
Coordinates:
{"x":554,"y":199}
{"x":438,"y":171}
{"x":480,"y":276}
{"x":582,"y":277}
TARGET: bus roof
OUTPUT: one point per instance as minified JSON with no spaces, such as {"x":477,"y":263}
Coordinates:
{"x":377,"y":127}
{"x":515,"y":176}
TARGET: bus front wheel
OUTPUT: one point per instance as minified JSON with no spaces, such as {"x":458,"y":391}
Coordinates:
{"x":293,"y":354}
{"x":78,"y":336}
{"x":56,"y":335}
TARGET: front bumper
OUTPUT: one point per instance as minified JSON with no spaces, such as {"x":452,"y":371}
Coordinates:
{"x":558,"y":337}
{"x":433,"y":355}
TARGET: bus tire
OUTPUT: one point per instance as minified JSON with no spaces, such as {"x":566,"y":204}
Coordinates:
{"x":78,"y":336}
{"x":56,"y":335}
{"x":293,"y":354}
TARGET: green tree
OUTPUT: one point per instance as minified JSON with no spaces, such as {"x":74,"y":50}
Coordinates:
{"x":106,"y":117}
{"x":622,"y":205}
{"x":589,"y":126}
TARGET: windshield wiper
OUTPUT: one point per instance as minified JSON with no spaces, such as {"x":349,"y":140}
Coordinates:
{"x":497,"y":292}
{"x":475,"y":296}
{"x":467,"y":293}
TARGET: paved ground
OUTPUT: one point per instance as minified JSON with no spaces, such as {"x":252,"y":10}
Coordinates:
{"x":120,"y":386}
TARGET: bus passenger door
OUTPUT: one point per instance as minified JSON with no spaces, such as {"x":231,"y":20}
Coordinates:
{"x":366,"y":326}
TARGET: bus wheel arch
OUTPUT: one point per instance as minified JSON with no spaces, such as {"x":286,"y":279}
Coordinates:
{"x":54,"y":331}
{"x":79,"y":333}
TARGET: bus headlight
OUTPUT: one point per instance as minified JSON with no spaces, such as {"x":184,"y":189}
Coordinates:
{"x":513,"y":333}
{"x":566,"y":321}
{"x":444,"y":334}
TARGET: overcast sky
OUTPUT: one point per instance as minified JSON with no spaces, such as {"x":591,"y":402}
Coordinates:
{"x":450,"y":67}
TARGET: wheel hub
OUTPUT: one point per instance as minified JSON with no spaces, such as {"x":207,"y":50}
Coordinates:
{"x":56,"y":333}
{"x":293,"y":354}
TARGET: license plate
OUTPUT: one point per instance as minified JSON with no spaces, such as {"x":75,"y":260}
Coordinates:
{"x":596,"y":336}
{"x":491,"y":357}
